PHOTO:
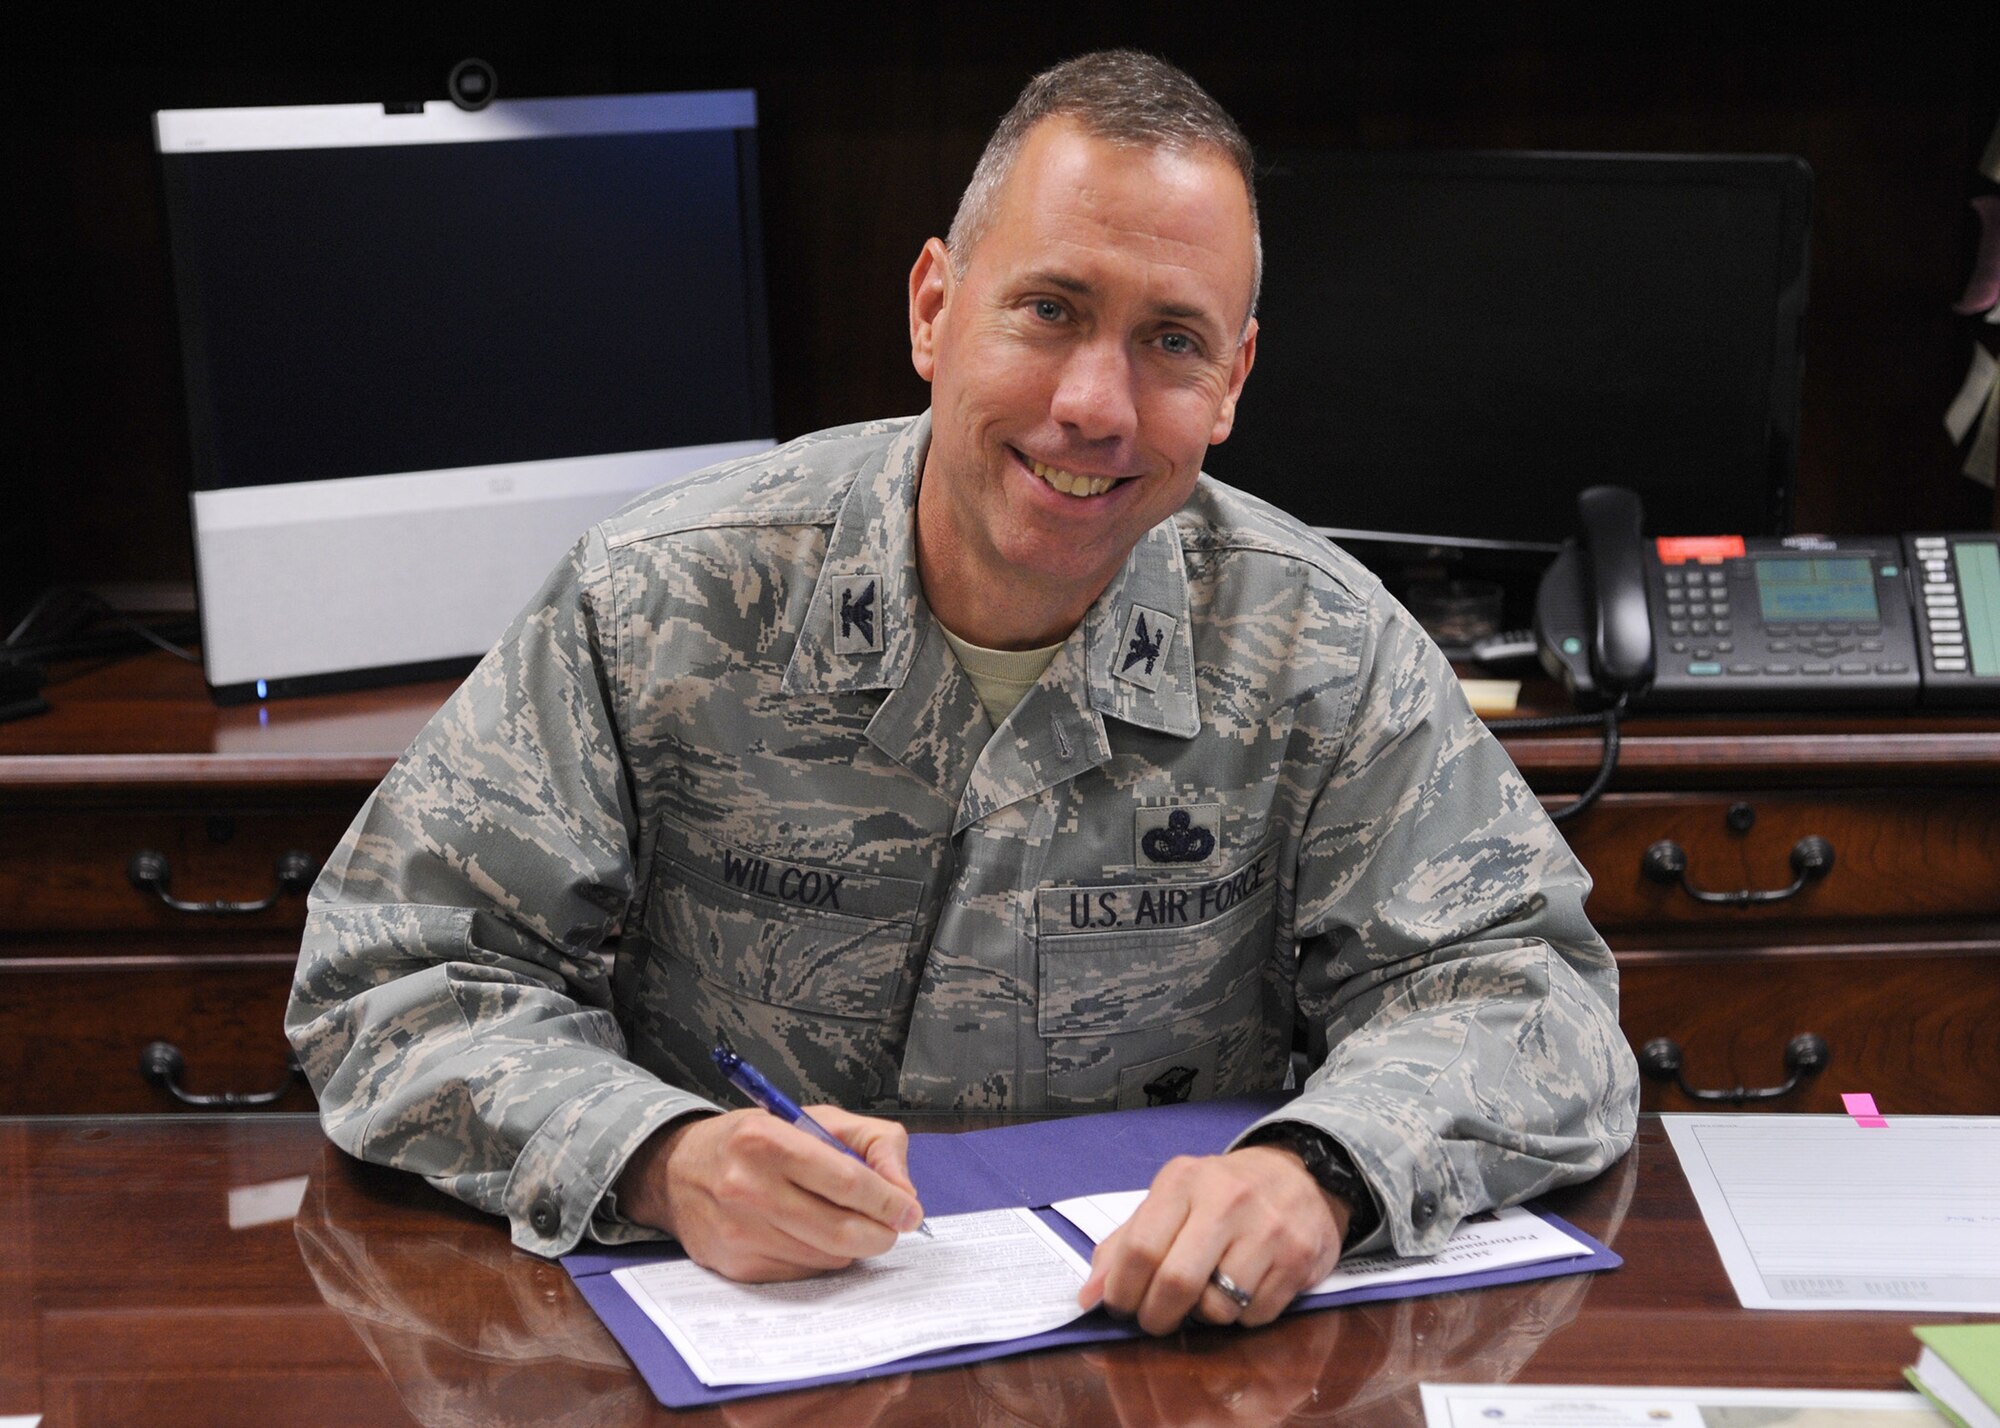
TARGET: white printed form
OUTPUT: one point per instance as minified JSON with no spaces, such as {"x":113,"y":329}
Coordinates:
{"x":1500,"y":1239}
{"x":1817,"y":1212}
{"x":1508,"y":1405}
{"x":982,"y":1278}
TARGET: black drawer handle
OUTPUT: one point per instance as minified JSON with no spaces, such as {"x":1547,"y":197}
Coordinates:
{"x":1805,"y":1055}
{"x":162,"y":1064}
{"x":1666,"y":862}
{"x":150,"y":872}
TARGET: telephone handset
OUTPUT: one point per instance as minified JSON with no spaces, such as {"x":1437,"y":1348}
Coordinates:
{"x":1798,"y":623}
{"x":1592,"y":605}
{"x":1614,"y":558}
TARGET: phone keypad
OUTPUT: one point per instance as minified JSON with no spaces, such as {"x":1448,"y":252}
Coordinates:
{"x":1698,"y":604}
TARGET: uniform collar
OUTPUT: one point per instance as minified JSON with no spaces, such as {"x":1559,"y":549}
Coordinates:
{"x":1141,"y":650}
{"x":869,"y":627}
{"x":874,"y":537}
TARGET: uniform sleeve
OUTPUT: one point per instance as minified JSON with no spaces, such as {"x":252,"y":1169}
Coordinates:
{"x":1463,"y":1012}
{"x":452,"y":1007}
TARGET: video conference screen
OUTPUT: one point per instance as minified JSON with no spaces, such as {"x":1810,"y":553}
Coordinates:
{"x":359,"y":309}
{"x":415,"y":329}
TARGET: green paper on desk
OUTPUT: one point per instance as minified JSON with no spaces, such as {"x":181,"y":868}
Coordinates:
{"x":1959,"y":1372}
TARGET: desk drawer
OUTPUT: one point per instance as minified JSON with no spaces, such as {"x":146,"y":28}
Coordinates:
{"x":71,"y":1030}
{"x":1897,"y":853}
{"x":67,"y":871}
{"x":1919,"y":1030}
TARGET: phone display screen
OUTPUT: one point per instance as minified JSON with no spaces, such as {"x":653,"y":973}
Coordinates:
{"x":1842,"y":588}
{"x":1978,"y":569}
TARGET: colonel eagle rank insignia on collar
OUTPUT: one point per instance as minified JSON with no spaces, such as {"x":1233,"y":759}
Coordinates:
{"x":857,"y":608}
{"x":1142,"y":650}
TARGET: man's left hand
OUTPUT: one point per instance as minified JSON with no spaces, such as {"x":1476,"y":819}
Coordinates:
{"x":1254,"y":1213}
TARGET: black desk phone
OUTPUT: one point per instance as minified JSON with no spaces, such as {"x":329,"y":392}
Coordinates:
{"x":1803,"y":622}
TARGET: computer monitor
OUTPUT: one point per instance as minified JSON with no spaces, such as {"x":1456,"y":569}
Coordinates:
{"x":425,"y":348}
{"x":1455,"y":344}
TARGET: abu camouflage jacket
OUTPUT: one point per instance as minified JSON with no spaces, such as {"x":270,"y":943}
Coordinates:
{"x":724,"y":773}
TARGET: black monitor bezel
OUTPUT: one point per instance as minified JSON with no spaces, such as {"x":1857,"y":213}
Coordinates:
{"x":1788,"y":177}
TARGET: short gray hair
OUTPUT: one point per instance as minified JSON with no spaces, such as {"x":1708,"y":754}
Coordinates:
{"x":1125,"y":97}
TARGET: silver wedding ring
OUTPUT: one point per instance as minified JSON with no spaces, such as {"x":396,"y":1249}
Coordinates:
{"x":1237,"y":1295}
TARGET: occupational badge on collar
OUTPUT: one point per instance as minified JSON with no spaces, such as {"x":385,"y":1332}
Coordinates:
{"x":858,"y":613}
{"x":1141,"y":656}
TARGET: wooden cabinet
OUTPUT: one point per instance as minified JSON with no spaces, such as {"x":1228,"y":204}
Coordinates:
{"x":1897,"y":853}
{"x":66,"y":863}
{"x":134,"y":761}
{"x":72,"y":1029}
{"x":1892,"y":957}
{"x":94,"y":968}
{"x":1913,"y":1024}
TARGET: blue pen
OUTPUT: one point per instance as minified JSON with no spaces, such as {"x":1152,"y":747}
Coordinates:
{"x":753,"y":1083}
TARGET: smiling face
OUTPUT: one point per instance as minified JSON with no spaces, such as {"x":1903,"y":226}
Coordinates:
{"x":1081,"y":366}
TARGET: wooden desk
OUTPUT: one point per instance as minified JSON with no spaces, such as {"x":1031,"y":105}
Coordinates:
{"x":1893,"y":958}
{"x":125,"y":1297}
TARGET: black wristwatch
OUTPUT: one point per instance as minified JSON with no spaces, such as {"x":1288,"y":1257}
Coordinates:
{"x":1330,"y":1166}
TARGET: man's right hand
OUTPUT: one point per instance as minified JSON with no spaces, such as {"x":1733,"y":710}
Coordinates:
{"x":755,"y":1199}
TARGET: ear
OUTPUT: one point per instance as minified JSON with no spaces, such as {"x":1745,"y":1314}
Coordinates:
{"x":1246,"y":358}
{"x":931,"y":285}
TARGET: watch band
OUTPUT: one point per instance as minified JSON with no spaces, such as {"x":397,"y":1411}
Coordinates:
{"x":1330,"y":1166}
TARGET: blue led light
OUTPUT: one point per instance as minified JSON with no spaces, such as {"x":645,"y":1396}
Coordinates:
{"x":260,"y":689}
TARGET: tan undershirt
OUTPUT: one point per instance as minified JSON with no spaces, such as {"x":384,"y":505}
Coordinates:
{"x":1001,"y":677}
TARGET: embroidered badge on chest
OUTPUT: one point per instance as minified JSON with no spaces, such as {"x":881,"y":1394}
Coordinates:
{"x":1171,"y":1080}
{"x":858,"y":611}
{"x":1171,"y":1087}
{"x":1142,"y":654}
{"x":1185,"y":835}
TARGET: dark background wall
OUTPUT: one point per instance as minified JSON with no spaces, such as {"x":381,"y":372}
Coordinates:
{"x":871,"y":120}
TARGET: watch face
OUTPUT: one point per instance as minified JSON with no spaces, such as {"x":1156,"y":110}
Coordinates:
{"x":1316,"y":1150}
{"x":1320,"y":1153}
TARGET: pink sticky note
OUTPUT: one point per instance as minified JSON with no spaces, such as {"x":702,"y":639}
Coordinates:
{"x":1861,"y":1106}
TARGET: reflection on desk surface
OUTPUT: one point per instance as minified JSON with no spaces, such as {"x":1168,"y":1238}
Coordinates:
{"x":471,"y":1330}
{"x":466,"y":1327}
{"x":125,"y":1297}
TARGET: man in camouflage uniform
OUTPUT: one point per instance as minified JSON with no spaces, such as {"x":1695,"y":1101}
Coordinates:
{"x":729,"y":773}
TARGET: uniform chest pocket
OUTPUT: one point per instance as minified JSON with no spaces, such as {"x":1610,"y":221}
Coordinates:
{"x":798,"y":935}
{"x":1124,"y":958}
{"x":1119,"y":978}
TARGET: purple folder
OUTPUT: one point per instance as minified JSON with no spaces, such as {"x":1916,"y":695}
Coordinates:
{"x":1030,"y":1164}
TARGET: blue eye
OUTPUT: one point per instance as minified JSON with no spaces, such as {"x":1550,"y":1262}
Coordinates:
{"x":1048,"y":309}
{"x":1178,"y":344}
